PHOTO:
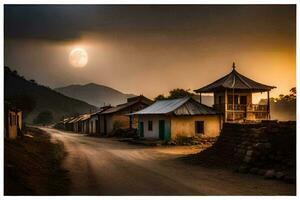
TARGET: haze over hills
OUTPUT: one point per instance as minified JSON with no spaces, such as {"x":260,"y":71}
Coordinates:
{"x":94,"y":94}
{"x":37,"y":98}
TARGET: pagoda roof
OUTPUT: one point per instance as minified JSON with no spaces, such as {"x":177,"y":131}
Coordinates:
{"x":235,"y":80}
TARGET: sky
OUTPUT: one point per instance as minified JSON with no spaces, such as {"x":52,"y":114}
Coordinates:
{"x":150,"y":50}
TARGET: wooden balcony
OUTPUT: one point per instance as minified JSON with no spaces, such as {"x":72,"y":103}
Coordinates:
{"x":247,"y":108}
{"x":238,"y":112}
{"x":242,"y":107}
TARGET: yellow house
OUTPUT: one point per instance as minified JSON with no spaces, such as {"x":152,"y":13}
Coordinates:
{"x":168,"y":119}
{"x":118,"y":117}
{"x":12,"y":121}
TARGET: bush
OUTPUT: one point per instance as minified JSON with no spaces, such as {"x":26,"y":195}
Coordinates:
{"x":44,"y":117}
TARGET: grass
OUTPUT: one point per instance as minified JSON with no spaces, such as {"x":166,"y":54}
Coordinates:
{"x":33,"y":165}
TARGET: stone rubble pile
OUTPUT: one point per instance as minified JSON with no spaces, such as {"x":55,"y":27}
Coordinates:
{"x":202,"y":140}
{"x":267,"y":149}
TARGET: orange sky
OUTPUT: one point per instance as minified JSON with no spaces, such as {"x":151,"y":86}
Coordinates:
{"x":146,"y":56}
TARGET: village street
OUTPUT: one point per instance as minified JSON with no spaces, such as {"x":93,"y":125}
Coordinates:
{"x":103,"y":166}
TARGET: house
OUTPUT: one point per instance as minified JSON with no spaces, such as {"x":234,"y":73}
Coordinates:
{"x":184,"y":117}
{"x":117,"y":117}
{"x":94,"y":122}
{"x":81,"y":123}
{"x":13,"y":121}
{"x":68,"y":125}
{"x":233,"y":97}
{"x":85,"y":120}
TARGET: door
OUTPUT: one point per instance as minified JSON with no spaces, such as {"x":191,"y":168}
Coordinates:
{"x":141,"y":129}
{"x":105,"y":126}
{"x":162,"y":129}
{"x":97,"y":126}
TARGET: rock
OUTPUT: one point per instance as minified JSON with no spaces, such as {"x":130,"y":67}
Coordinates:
{"x":243,"y":169}
{"x":254,"y":170}
{"x":270,"y":173}
{"x":279,"y":175}
{"x":249,"y":147}
{"x":268,"y":145}
{"x":261,"y":172}
{"x":289,"y":179}
{"x":273,"y":130}
{"x":247,"y":159}
{"x":249,"y":153}
{"x":259,"y":146}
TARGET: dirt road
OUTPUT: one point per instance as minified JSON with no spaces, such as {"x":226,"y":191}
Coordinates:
{"x":101,"y":166}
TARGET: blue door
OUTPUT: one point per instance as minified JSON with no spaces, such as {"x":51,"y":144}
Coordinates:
{"x":161,"y":129}
{"x":141,"y":129}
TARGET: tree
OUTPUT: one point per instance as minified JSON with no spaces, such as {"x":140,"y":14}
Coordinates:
{"x":179,"y":93}
{"x":24,"y":102}
{"x":281,"y":97}
{"x":44,"y":117}
{"x":293,"y":93}
{"x":175,"y":94}
{"x":159,"y":97}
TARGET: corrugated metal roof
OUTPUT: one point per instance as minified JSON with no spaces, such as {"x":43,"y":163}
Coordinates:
{"x":182,"y":106}
{"x":120,"y":107}
{"x":73,"y":120}
{"x":80,"y":118}
{"x":235,"y":80}
{"x":192,"y":107}
{"x":85,"y":117}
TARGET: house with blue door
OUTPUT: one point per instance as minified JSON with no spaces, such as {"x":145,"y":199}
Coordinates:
{"x":184,"y":117}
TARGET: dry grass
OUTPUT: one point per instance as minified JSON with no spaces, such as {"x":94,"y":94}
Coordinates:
{"x":32,"y":165}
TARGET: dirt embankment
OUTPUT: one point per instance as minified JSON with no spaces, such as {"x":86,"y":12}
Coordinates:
{"x":32,"y":165}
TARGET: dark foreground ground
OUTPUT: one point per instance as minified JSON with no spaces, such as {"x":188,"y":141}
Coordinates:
{"x":103,"y":166}
{"x":32,"y":165}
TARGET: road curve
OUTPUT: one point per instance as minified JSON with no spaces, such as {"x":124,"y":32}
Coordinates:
{"x":102,"y":166}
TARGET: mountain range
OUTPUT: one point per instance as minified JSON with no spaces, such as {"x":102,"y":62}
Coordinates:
{"x":33,"y":98}
{"x":94,"y":94}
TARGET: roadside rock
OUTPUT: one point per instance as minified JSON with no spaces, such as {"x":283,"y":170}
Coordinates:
{"x":270,"y":173}
{"x":243,"y":169}
{"x":279,"y":175}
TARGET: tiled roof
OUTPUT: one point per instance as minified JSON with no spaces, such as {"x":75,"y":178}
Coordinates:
{"x":235,"y":80}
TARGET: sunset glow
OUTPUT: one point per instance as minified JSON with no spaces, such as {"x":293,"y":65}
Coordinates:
{"x":158,"y":56}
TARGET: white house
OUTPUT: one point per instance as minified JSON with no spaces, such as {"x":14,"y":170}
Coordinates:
{"x":168,"y":119}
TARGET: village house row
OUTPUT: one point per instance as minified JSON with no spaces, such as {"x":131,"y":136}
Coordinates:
{"x":167,"y":119}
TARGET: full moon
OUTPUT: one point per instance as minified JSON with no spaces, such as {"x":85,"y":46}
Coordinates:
{"x":78,"y":57}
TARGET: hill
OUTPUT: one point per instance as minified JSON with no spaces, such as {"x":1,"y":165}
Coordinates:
{"x":95,"y":94}
{"x":35,"y":98}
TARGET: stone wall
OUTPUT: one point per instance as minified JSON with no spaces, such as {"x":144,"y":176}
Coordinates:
{"x":267,"y":148}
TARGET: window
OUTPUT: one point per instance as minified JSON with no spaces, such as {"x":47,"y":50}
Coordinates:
{"x":199,"y":127}
{"x":243,"y":100}
{"x":10,"y":119}
{"x":220,"y":99}
{"x":230,"y":99}
{"x":149,"y":125}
